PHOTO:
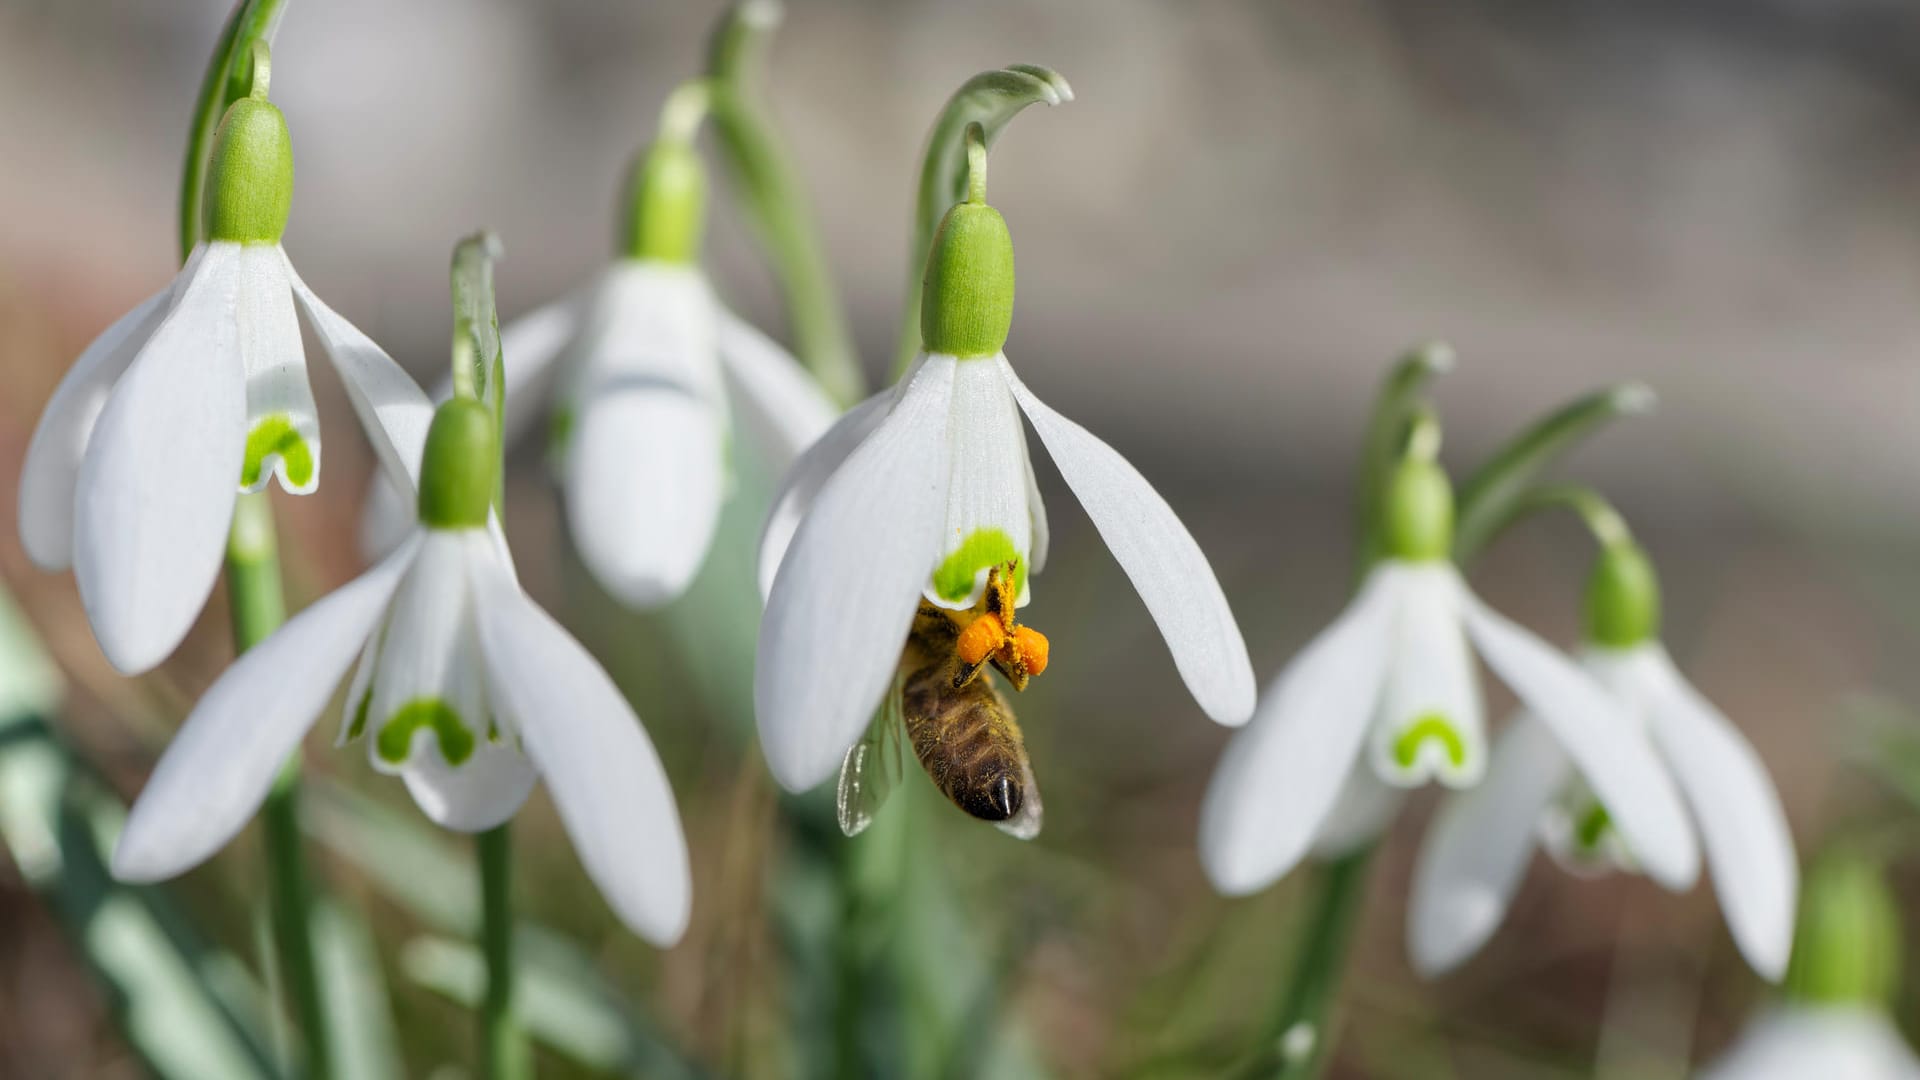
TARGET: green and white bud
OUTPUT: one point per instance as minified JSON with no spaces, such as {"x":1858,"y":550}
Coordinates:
{"x":1622,"y":606}
{"x":460,"y":468}
{"x":1846,"y":948}
{"x":250,"y":169}
{"x":966,"y":297}
{"x":666,"y":205}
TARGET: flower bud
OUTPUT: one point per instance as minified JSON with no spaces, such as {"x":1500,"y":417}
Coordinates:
{"x":250,"y":175}
{"x":460,"y":469}
{"x":1623,"y":597}
{"x":1417,"y":518}
{"x":1846,"y":948}
{"x":966,"y":298}
{"x":666,"y":204}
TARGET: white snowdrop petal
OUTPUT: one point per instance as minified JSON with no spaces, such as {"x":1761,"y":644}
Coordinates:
{"x":649,"y":325}
{"x":1166,"y":567}
{"x":484,"y":790}
{"x":283,"y":426}
{"x":1475,"y":854}
{"x":605,"y":778}
{"x":846,"y":592}
{"x":1749,"y":848}
{"x":530,"y":348}
{"x":1037,"y":512}
{"x":1603,"y":739}
{"x":809,"y":473}
{"x":1795,"y":1042}
{"x":359,"y":701}
{"x":52,"y":467}
{"x":781,"y":406}
{"x":393,"y":410}
{"x":157,"y":483}
{"x":224,"y":759}
{"x":1363,"y":810}
{"x":645,"y":478}
{"x":1432,"y":720}
{"x":428,"y":691}
{"x":989,"y":522}
{"x":1281,"y":775}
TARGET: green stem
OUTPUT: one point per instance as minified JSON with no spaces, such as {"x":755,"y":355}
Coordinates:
{"x":504,"y":1051}
{"x":258,"y":608}
{"x":775,"y":202}
{"x":1299,"y":1038}
{"x":226,"y":80}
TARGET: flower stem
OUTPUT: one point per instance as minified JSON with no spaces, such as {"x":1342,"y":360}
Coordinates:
{"x":1297,"y":1042}
{"x":258,"y":608}
{"x":504,"y":1052}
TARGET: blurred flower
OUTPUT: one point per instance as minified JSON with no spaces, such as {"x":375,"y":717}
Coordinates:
{"x":923,"y":491}
{"x":1483,"y":839}
{"x":1392,"y":681}
{"x":131,"y":474}
{"x":641,"y":371}
{"x":1832,"y":1020}
{"x":465,"y":688}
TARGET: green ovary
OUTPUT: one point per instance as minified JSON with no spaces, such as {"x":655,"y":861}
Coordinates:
{"x":983,"y":548}
{"x":396,"y":736}
{"x":1406,"y":748}
{"x":276,"y":435}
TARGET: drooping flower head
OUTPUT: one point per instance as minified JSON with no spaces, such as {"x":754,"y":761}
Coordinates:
{"x":1535,"y":793}
{"x":645,"y":373}
{"x":1387,"y":699}
{"x":924,"y":490}
{"x":197,"y":394}
{"x":464,"y":688}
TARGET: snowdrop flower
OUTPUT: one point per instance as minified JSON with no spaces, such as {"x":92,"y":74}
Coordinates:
{"x":1832,"y":1020}
{"x":644,"y":371}
{"x":1483,"y":839}
{"x":922,"y":491}
{"x":465,"y":689}
{"x":1387,"y":699}
{"x":195,"y":395}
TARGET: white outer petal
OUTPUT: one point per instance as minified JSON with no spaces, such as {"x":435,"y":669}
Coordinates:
{"x":781,"y":404}
{"x":846,"y":592}
{"x":1813,"y":1042}
{"x":52,"y":467}
{"x":1604,"y":740}
{"x":648,"y":322}
{"x":605,"y":778}
{"x":393,"y":410}
{"x":810,"y":473}
{"x":1431,"y":672}
{"x":225,"y":757}
{"x":1158,"y":554}
{"x":276,"y":361}
{"x":1476,"y":852}
{"x":157,"y":485}
{"x":1743,"y":828}
{"x":1280,"y":776}
{"x":987,"y":479}
{"x":1363,"y":810}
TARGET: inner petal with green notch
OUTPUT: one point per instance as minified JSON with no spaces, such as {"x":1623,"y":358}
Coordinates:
{"x":964,"y":569}
{"x":276,"y":436}
{"x":1430,"y":737}
{"x":395,"y":741}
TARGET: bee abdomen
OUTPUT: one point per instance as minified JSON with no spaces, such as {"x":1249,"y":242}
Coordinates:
{"x":971,"y":747}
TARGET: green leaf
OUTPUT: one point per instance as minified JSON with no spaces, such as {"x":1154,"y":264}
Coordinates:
{"x":360,"y":1025}
{"x":226,"y":80}
{"x":990,"y":99}
{"x":775,"y":201}
{"x":1497,"y":492}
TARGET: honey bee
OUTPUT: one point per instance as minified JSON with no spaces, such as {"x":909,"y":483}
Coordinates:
{"x":957,"y":721}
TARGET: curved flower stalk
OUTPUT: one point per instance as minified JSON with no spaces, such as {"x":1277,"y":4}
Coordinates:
{"x":645,"y":371}
{"x":194,"y":396}
{"x":1832,"y":1020}
{"x":1482,"y":840}
{"x":465,"y":689}
{"x":922,"y":491}
{"x":1387,"y":699}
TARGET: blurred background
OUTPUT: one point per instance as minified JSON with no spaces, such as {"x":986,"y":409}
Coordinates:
{"x":1246,"y":213}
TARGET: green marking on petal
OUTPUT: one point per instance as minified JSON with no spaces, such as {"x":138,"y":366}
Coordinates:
{"x":1592,"y":828}
{"x":396,"y":737}
{"x":277,"y":435}
{"x":1406,"y":748}
{"x":359,"y":725}
{"x":954,"y":578}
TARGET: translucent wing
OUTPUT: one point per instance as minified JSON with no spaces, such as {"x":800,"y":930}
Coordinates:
{"x":872,"y":767}
{"x":1024,"y":825}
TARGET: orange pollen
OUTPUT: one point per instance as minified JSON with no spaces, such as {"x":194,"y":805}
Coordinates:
{"x":982,"y":637}
{"x":1032,"y":647}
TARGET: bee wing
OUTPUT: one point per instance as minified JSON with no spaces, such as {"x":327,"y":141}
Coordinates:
{"x":1024,"y":825}
{"x":871,"y":769}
